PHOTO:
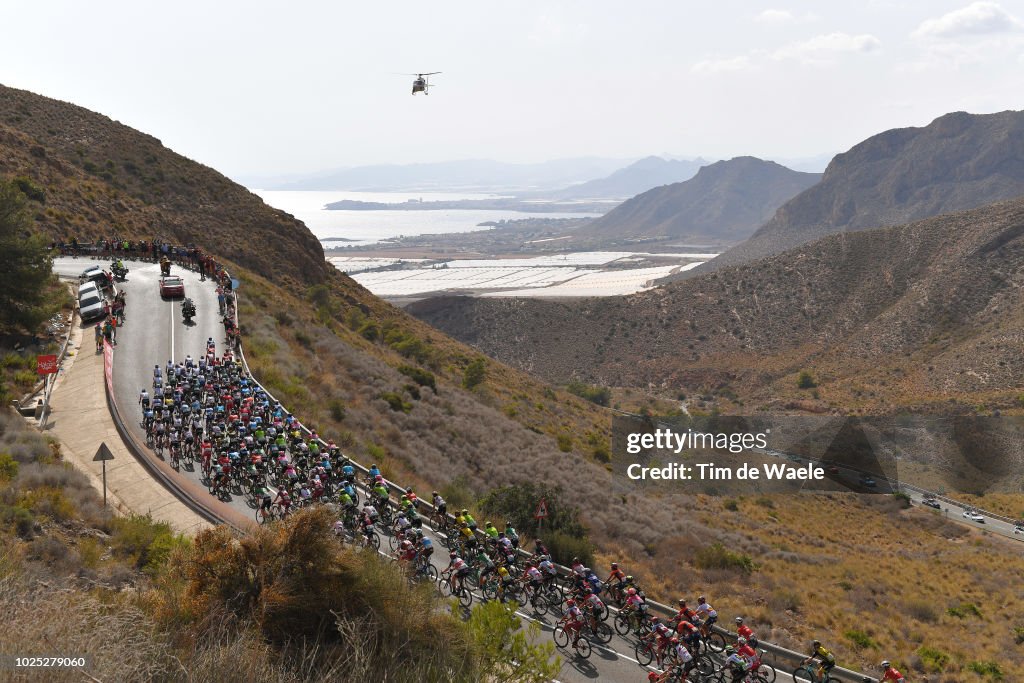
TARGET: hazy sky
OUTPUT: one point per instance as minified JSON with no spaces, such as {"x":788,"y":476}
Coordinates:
{"x":273,"y":87}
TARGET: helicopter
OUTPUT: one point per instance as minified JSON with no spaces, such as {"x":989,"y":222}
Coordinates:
{"x":421,"y":84}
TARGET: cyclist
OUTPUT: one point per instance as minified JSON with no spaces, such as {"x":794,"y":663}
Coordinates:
{"x":826,"y":659}
{"x":684,"y":613}
{"x":889,"y":673}
{"x":470,"y":522}
{"x":744,"y":650}
{"x":459,"y":570}
{"x":737,"y":665}
{"x":426,"y":547}
{"x":265,"y":502}
{"x":485,"y":564}
{"x":573,"y":620}
{"x":506,"y":581}
{"x":511,"y":534}
{"x":745,"y":631}
{"x":374,"y":472}
{"x":144,"y":399}
{"x":533,"y":577}
{"x":491,"y":531}
{"x":706,"y":612}
{"x":618,"y":576}
{"x":440,"y":505}
{"x":681,"y":656}
{"x":689,"y":634}
{"x":283,"y":501}
{"x":594,"y":606}
{"x":407,"y":552}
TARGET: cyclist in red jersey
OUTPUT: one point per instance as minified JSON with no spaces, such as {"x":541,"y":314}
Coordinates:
{"x":891,"y":674}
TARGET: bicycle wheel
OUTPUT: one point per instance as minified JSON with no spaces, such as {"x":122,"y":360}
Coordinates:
{"x":430,"y":572}
{"x":802,"y":675}
{"x":261,"y":517}
{"x":393,"y":542}
{"x":375,"y":540}
{"x":716,"y":642}
{"x":766,"y":673}
{"x":644,"y":653}
{"x":602,"y":633}
{"x":560,"y":636}
{"x":465,"y":597}
{"x":538,"y":604}
{"x":583,"y":647}
{"x":704,"y":666}
{"x":621,"y":624}
{"x":444,"y":587}
{"x":489,"y":590}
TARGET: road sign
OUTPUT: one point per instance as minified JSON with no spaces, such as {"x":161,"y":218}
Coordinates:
{"x":542,"y":510}
{"x":103,"y":453}
{"x":46,"y":365}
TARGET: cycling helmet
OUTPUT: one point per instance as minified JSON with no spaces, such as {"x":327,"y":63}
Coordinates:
{"x":631,"y":591}
{"x":741,"y":641}
{"x":488,"y":524}
{"x":739,"y":620}
{"x":419,"y":533}
{"x":655,"y":620}
{"x":653,"y":677}
{"x":508,"y":523}
{"x":435,"y":493}
{"x":682,"y":603}
{"x":701,"y":599}
{"x":408,"y":489}
{"x":885,"y":664}
{"x":570,"y":602}
{"x":729,"y":650}
{"x":674,"y":641}
{"x":629,"y":579}
{"x":816,"y":644}
{"x":378,"y":478}
{"x":452,"y":554}
{"x":373,"y":467}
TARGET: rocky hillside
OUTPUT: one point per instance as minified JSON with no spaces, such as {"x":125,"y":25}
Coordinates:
{"x":101,"y":178}
{"x":910,"y":315}
{"x":959,"y":161}
{"x":724,"y":203}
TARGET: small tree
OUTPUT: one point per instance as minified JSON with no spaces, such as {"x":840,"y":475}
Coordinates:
{"x":27,"y":265}
{"x":505,"y":648}
{"x":806,"y":380}
{"x":475,"y":373}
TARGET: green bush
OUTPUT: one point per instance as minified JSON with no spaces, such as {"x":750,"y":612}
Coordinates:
{"x":600,"y":395}
{"x":143,"y":541}
{"x":564,"y":547}
{"x":932,"y":659}
{"x":370,"y":331}
{"x":806,"y":380}
{"x":8,"y":467}
{"x":564,"y":442}
{"x":396,"y":401}
{"x":716,"y":556}
{"x":457,"y":493}
{"x":860,"y":639}
{"x":989,"y":669}
{"x":30,"y":189}
{"x":419,"y":375}
{"x":964,"y":610}
{"x":474,"y":374}
{"x":518,"y":503}
{"x":20,"y":518}
{"x":337,"y":409}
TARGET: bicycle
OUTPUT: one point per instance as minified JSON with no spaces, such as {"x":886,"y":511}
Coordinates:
{"x":807,"y":673}
{"x":631,"y":621}
{"x":445,"y":587}
{"x":581,"y":646}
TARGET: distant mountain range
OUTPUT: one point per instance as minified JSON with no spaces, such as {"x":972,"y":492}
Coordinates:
{"x":724,"y":202}
{"x":638,"y":177}
{"x":469,"y":174}
{"x":959,"y":161}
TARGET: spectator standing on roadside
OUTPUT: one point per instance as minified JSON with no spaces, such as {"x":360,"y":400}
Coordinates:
{"x":107,"y":334}
{"x":113,"y":328}
{"x":99,"y":337}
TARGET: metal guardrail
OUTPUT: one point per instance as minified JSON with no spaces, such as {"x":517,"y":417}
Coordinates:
{"x":778,"y":652}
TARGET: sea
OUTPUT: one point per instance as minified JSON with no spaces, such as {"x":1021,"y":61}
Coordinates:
{"x":370,"y":227}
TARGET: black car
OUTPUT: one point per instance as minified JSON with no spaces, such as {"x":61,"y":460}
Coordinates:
{"x":932,"y":503}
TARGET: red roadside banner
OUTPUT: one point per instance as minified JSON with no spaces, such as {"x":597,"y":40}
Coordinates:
{"x":46,"y":365}
{"x":108,"y":364}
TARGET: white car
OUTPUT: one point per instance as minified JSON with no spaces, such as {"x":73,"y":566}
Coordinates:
{"x":92,"y":273}
{"x":92,"y":306}
{"x":974,"y":516}
{"x":87,"y":288}
{"x":1018,"y":528}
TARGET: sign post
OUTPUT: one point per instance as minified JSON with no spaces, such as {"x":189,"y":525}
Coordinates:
{"x":103,"y":454}
{"x":46,"y":365}
{"x":540,"y":514}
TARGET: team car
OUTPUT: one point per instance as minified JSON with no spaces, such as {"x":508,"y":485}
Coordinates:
{"x":172,"y":285}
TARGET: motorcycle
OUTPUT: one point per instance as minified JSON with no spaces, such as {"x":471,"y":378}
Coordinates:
{"x":120,"y":272}
{"x":188,"y":311}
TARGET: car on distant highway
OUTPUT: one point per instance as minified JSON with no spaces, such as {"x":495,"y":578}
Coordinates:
{"x":974,"y":516}
{"x":1018,"y":528}
{"x":832,"y":469}
{"x":172,"y":285}
{"x":932,"y":503}
{"x":865,"y":480}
